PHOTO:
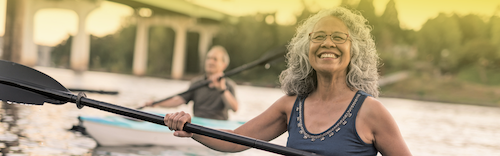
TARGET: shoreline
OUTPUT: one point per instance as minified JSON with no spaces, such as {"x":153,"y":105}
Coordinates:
{"x":440,"y":101}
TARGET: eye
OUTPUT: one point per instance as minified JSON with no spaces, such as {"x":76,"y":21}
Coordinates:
{"x":339,"y":37}
{"x":319,"y":36}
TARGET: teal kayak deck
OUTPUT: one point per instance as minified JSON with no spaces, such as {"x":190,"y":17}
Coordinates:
{"x":119,"y":121}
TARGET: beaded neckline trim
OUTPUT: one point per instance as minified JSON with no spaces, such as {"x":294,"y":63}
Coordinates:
{"x":330,"y":132}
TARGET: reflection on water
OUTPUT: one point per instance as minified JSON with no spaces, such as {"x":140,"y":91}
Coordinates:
{"x":429,"y":128}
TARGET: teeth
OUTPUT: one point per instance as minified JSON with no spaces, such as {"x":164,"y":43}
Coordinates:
{"x":328,"y":56}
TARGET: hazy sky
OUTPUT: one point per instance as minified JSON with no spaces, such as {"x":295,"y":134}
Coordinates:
{"x":54,"y":25}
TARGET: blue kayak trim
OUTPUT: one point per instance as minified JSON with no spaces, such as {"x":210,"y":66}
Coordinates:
{"x":147,"y":126}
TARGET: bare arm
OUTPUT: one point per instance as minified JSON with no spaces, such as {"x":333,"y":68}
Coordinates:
{"x":172,"y":102}
{"x":266,"y":126}
{"x":229,"y":98}
{"x":377,"y":126}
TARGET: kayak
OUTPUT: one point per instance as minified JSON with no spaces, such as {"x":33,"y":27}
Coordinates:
{"x":119,"y":131}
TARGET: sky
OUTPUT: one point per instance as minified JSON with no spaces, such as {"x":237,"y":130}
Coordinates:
{"x":54,"y":25}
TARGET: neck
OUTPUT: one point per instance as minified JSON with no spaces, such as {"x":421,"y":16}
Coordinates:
{"x":210,"y":74}
{"x":332,"y":87}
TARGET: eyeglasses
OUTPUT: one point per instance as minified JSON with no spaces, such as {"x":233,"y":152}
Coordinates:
{"x":320,"y":37}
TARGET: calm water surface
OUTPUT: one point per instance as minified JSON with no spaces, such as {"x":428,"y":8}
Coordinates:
{"x":429,"y":128}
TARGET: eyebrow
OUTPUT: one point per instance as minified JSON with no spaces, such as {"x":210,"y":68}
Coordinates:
{"x":333,"y":32}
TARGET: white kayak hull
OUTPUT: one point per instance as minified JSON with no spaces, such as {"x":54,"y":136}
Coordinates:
{"x":118,"y":131}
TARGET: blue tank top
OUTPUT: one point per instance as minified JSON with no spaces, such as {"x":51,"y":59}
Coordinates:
{"x":340,"y":139}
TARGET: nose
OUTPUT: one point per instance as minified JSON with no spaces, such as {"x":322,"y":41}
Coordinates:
{"x":329,"y":41}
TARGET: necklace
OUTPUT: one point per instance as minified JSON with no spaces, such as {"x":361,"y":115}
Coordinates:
{"x":332,"y":130}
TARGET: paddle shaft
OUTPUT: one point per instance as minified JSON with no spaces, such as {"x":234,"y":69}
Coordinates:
{"x":193,"y":128}
{"x":263,"y":60}
{"x":64,"y":96}
{"x":93,"y":91}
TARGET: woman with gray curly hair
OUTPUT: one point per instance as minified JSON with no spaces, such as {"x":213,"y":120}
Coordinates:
{"x":330,"y":85}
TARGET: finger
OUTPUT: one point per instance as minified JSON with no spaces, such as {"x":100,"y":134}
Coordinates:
{"x":222,"y":83}
{"x":179,"y":124}
{"x":165,"y":120}
{"x":183,"y":134}
{"x":186,"y":118}
{"x":170,"y":119}
{"x":175,"y":120}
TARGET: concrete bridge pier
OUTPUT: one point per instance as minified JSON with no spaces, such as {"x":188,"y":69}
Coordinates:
{"x":141,"y":46}
{"x":81,"y":42}
{"x":80,"y":46}
{"x":179,"y":57}
{"x":207,"y":33}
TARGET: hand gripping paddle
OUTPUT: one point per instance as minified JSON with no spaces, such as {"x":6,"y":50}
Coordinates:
{"x":23,"y":85}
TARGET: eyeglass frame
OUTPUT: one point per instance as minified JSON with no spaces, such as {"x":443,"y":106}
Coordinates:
{"x":331,"y":37}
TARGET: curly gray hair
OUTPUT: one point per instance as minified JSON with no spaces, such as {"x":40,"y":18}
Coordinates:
{"x":300,"y":78}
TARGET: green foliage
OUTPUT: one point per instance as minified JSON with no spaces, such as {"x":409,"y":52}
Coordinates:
{"x":113,"y":53}
{"x":494,"y":30}
{"x":368,"y":11}
{"x":390,"y":16}
{"x":251,"y":39}
{"x":453,"y":43}
{"x":160,"y":51}
{"x":472,"y":27}
{"x":437,"y":38}
{"x":450,"y":44}
{"x":60,"y":54}
{"x":480,"y":75}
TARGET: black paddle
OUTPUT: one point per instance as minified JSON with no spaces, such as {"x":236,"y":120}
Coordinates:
{"x":267,"y":58}
{"x":93,"y":91}
{"x":23,"y":85}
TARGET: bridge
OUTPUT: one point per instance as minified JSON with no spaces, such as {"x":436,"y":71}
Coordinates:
{"x":179,"y":15}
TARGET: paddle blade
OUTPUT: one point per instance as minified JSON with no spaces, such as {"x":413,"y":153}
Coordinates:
{"x":13,"y":76}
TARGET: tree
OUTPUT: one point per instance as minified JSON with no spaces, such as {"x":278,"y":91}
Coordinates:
{"x":368,"y":11}
{"x":437,"y":38}
{"x":391,"y":33}
{"x":60,"y":53}
{"x":160,"y":51}
{"x":494,"y":28}
{"x":348,"y":4}
{"x":115,"y":52}
{"x":390,"y":16}
{"x":472,"y":27}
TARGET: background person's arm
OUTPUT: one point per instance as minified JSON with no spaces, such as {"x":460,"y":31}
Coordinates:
{"x":172,"y":102}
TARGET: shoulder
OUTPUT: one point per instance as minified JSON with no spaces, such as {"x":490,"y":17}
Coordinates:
{"x":230,"y":82}
{"x":379,"y":127}
{"x":375,"y":114}
{"x":372,"y":103}
{"x":372,"y":107}
{"x":285,"y":99}
{"x":285,"y":103}
{"x":197,"y":79}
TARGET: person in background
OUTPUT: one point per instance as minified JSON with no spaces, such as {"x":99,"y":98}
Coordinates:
{"x":331,"y":86}
{"x":214,"y":100}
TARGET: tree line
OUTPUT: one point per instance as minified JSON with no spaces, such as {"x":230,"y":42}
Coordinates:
{"x":449,"y":44}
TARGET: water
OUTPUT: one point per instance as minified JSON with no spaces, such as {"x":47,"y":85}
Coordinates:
{"x":429,"y":128}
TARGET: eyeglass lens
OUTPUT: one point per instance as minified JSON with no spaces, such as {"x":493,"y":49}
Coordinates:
{"x":318,"y":37}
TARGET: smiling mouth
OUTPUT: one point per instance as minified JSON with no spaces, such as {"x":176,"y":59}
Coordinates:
{"x":329,"y":55}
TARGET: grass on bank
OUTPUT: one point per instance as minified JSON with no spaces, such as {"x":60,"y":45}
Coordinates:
{"x":468,"y":87}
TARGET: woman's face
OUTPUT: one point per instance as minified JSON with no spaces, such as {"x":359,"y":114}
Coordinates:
{"x":326,"y":56}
